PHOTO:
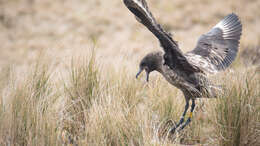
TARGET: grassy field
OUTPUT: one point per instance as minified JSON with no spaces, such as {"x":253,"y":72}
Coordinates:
{"x":67,"y":75}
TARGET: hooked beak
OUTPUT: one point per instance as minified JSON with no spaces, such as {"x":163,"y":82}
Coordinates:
{"x":139,"y":72}
{"x":147,"y":74}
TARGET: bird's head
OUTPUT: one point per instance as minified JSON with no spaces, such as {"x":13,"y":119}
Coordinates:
{"x":151,"y":62}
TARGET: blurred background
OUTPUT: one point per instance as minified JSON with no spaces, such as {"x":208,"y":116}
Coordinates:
{"x":61,"y":28}
{"x":67,"y":75}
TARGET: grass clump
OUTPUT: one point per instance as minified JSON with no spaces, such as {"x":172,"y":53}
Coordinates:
{"x":79,"y":94}
{"x":27,"y":108}
{"x":99,"y":110}
{"x":237,"y":112}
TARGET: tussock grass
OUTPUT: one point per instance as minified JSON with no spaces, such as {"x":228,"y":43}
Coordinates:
{"x":26,"y":109}
{"x":80,"y":94}
{"x":237,"y":112}
{"x":96,"y":107}
{"x":100,"y":112}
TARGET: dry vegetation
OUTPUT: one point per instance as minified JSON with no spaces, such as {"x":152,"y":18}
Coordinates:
{"x":67,"y":75}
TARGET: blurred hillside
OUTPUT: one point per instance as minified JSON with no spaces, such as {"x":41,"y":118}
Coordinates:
{"x":61,"y":28}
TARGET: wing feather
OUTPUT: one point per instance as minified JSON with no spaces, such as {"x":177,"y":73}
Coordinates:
{"x":173,"y":56}
{"x":218,"y":48}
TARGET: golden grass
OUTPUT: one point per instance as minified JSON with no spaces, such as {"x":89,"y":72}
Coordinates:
{"x":94,"y":108}
{"x":55,"y":90}
{"x":237,"y":111}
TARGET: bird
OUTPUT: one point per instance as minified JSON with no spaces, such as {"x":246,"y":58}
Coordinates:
{"x":214,"y":52}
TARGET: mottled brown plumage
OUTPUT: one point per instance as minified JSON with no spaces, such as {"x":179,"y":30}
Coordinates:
{"x":214,"y":52}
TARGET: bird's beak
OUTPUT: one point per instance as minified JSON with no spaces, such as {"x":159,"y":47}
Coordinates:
{"x":139,"y":72}
{"x":147,"y":74}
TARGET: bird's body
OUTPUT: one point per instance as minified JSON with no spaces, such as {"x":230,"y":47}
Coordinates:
{"x":214,"y":52}
{"x":194,"y":85}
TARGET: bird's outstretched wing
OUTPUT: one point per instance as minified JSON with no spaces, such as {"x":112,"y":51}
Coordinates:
{"x":218,"y":48}
{"x":173,"y":56}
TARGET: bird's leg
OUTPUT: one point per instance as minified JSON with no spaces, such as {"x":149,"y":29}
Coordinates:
{"x":182,"y":117}
{"x":190,"y":116}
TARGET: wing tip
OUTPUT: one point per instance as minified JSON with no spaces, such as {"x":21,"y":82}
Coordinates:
{"x":231,"y":26}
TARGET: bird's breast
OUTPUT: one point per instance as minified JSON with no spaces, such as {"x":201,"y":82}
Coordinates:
{"x":196,"y":85}
{"x":173,"y":77}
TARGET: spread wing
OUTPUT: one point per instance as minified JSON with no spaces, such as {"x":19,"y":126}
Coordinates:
{"x":218,"y":48}
{"x":173,"y":56}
